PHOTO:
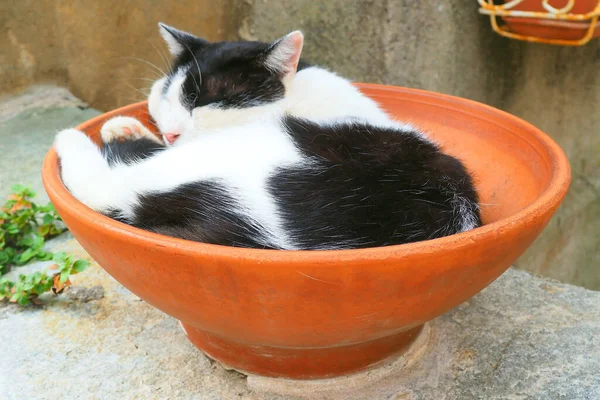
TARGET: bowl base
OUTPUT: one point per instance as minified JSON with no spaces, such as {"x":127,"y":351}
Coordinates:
{"x":301,"y":363}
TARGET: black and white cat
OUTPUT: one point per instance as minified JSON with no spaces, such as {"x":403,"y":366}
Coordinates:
{"x":262,"y":150}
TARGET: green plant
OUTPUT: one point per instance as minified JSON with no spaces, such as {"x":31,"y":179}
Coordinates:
{"x":24,"y":228}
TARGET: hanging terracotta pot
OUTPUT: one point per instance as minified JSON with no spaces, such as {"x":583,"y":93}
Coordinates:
{"x":564,"y":22}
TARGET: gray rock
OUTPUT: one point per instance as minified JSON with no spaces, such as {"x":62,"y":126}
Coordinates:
{"x":28,"y":123}
{"x":85,"y":294}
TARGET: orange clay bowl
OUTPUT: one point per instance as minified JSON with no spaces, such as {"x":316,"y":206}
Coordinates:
{"x":317,"y":314}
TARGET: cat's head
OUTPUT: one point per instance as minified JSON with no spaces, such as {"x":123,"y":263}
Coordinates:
{"x":212,"y":84}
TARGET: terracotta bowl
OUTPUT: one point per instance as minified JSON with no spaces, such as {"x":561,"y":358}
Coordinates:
{"x":316,"y":314}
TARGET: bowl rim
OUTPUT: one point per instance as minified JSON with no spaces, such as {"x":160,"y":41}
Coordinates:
{"x":547,"y":200}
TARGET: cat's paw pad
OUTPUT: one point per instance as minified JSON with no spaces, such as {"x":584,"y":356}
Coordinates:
{"x":125,"y":128}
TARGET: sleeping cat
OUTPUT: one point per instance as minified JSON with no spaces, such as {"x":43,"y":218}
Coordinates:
{"x":262,"y":150}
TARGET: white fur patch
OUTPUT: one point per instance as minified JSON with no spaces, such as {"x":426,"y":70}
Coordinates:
{"x":465,"y":210}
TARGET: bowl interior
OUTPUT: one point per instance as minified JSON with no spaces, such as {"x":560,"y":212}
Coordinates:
{"x":510,"y":170}
{"x":512,"y":162}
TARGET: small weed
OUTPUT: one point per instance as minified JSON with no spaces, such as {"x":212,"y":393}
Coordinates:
{"x":24,"y":228}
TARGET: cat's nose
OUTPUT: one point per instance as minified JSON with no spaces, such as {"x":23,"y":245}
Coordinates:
{"x":170,"y":137}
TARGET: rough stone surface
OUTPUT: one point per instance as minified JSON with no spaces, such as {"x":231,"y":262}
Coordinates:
{"x":28,"y":123}
{"x":102,"y":51}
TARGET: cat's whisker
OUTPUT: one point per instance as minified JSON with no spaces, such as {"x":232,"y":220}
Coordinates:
{"x":138,"y":90}
{"x":160,"y":71}
{"x":137,"y":79}
{"x":124,"y":101}
{"x":162,"y":56}
{"x":119,"y":90}
{"x":134,"y":99}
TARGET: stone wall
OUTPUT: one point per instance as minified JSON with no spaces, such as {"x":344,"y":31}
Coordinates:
{"x":444,"y":46}
{"x":105,"y":52}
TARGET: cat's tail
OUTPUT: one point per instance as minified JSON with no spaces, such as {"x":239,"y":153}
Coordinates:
{"x":467,"y":210}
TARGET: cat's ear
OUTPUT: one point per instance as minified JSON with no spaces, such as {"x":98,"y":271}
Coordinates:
{"x":179,"y":41}
{"x":284,"y":54}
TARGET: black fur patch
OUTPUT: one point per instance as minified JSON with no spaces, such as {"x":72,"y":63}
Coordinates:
{"x":369,"y":187}
{"x":129,"y":151}
{"x":199,"y":211}
{"x":233,"y":75}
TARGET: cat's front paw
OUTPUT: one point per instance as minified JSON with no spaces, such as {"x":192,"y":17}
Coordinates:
{"x":125,"y":128}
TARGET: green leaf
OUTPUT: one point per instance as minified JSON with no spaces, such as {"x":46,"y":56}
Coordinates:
{"x":48,"y":219}
{"x":80,"y":266}
{"x":48,"y":208}
{"x":43,"y":255}
{"x":10,"y":252}
{"x":59,"y":257}
{"x":37,"y":242}
{"x":26,"y":242}
{"x":26,"y":256}
{"x":44,"y":230}
{"x":23,"y":300}
{"x":4,"y":257}
{"x":40,"y":288}
{"x":18,"y":188}
{"x":64,"y":276}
